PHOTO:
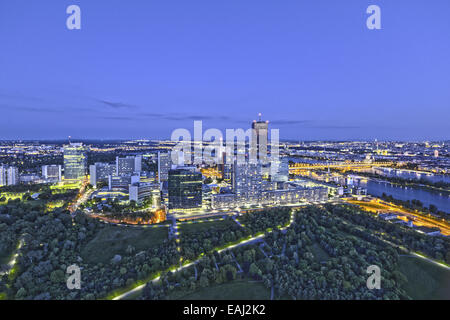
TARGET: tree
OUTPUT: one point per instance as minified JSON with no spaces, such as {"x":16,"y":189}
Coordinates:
{"x":204,"y":282}
{"x":255,"y":271}
{"x":130,"y":250}
{"x":57,"y":276}
{"x":433,"y":208}
{"x":21,"y":293}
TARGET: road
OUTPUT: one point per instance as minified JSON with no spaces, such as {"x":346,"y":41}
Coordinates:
{"x":377,"y":205}
{"x":81,"y":197}
{"x":13,"y":259}
{"x":415,"y":254}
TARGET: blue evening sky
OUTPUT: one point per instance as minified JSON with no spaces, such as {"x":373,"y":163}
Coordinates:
{"x":140,"y":69}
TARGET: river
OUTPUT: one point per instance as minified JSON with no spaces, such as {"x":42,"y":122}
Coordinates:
{"x":409,"y":174}
{"x":376,"y":188}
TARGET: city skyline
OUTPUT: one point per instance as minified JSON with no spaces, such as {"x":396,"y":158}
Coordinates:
{"x":213,"y":158}
{"x":312,"y":69}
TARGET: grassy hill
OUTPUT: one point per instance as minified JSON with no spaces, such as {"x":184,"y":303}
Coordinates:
{"x":426,"y":281}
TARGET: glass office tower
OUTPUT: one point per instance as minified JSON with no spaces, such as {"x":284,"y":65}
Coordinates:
{"x":75,"y":161}
{"x":185,"y":189}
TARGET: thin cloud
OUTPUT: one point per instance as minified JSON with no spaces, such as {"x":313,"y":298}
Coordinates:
{"x":117,"y":105}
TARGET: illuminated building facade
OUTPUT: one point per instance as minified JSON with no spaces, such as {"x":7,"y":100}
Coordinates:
{"x":74,"y":161}
{"x":260,"y":133}
{"x":164,"y":165}
{"x":185,"y":189}
{"x":247,"y":182}
{"x":52,"y":173}
{"x":140,"y":191}
{"x":122,"y":182}
{"x":2,"y":176}
{"x":293,"y":196}
{"x":223,"y":201}
{"x":128,"y":165}
{"x":13,"y":176}
{"x":100,"y":172}
{"x":279,"y":170}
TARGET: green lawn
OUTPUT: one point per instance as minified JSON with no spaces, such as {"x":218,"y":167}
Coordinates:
{"x":235,"y":290}
{"x":194,"y":227}
{"x":114,"y":240}
{"x":426,"y":281}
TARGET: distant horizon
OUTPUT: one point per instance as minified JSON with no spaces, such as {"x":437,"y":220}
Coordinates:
{"x":74,"y":140}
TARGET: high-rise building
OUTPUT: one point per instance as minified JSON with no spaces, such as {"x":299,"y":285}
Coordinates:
{"x":124,"y":166}
{"x":74,"y":161}
{"x":52,"y":173}
{"x":279,"y":170}
{"x":148,"y":176}
{"x":138,"y":164}
{"x":260,"y":137}
{"x":247,"y":182}
{"x":164,"y":165}
{"x":228,"y":172}
{"x":3,"y":176}
{"x":13,"y":176}
{"x":128,"y":165}
{"x":185,"y":189}
{"x":100,"y":172}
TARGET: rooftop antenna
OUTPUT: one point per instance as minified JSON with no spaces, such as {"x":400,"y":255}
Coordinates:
{"x":259,"y":115}
{"x":69,"y":139}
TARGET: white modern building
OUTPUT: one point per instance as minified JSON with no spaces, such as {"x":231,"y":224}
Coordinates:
{"x":13,"y":176}
{"x":52,"y":173}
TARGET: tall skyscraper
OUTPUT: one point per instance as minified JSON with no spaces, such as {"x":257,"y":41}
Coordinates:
{"x":279,"y":170}
{"x":13,"y":176}
{"x":247,"y":182}
{"x":164,"y":165}
{"x":185,"y":189}
{"x":52,"y":173}
{"x":260,"y":137}
{"x":138,"y":164}
{"x":228,"y":172}
{"x":99,"y":172}
{"x":124,"y":166}
{"x":75,"y":161}
{"x":128,"y":165}
{"x":3,"y":175}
